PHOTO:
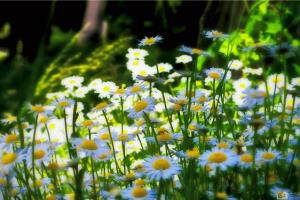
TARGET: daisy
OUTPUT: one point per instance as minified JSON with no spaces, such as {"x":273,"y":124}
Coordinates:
{"x":104,"y":135}
{"x":102,"y":106}
{"x":276,"y":80}
{"x":164,"y":136}
{"x":42,"y":153}
{"x":81,"y":92}
{"x":136,"y":54}
{"x":164,"y":67}
{"x":241,"y":84}
{"x":183,"y":59}
{"x":252,"y":71}
{"x":95,"y":84}
{"x":246,"y":160}
{"x":216,"y":157}
{"x":215,"y":35}
{"x":106,"y":89}
{"x":7,"y":141}
{"x":9,"y":159}
{"x":138,"y":193}
{"x":201,"y":96}
{"x":9,"y":118}
{"x":267,"y":156}
{"x":111,"y":194}
{"x":161,"y":167}
{"x":63,"y":103}
{"x":88,"y":123}
{"x":296,"y":81}
{"x":134,"y":64}
{"x":192,"y":153}
{"x":253,"y":97}
{"x":140,"y":107}
{"x":144,"y":71}
{"x":235,"y":65}
{"x":88,"y":147}
{"x":43,"y":182}
{"x":215,"y":73}
{"x":192,"y":51}
{"x":103,"y":155}
{"x":148,"y":41}
{"x":281,"y":193}
{"x":135,"y":89}
{"x":72,"y":82}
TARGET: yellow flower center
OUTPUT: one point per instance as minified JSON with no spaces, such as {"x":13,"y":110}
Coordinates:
{"x":38,"y":154}
{"x":135,"y":89}
{"x":201,"y":99}
{"x":123,"y":137}
{"x":53,"y":165}
{"x":140,"y":182}
{"x":120,"y":91}
{"x":196,"y":51}
{"x":11,"y":138}
{"x":139,"y":192}
{"x":38,"y":183}
{"x":161,"y":164}
{"x":106,"y":88}
{"x":143,"y":73}
{"x":104,"y":136}
{"x":89,"y":145}
{"x":268,"y":155}
{"x":164,"y":136}
{"x":130,"y":176}
{"x":177,"y":107}
{"x":182,"y":101}
{"x":8,"y":158}
{"x":223,"y":145}
{"x":3,"y":181}
{"x":192,"y":127}
{"x":246,"y":158}
{"x":87,"y":123}
{"x":258,"y":94}
{"x":140,"y":105}
{"x":193,"y":153}
{"x":51,"y":197}
{"x":217,"y":33}
{"x":101,"y":105}
{"x":215,"y":75}
{"x":43,"y":119}
{"x":136,"y":53}
{"x":221,"y":195}
{"x":38,"y":108}
{"x":196,"y":107}
{"x":63,"y":103}
{"x":149,"y":41}
{"x":217,"y":157}
{"x":102,"y":156}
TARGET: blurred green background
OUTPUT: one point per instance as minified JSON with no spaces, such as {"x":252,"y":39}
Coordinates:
{"x":39,"y":40}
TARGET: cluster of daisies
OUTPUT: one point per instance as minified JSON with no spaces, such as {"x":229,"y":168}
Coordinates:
{"x":218,"y":133}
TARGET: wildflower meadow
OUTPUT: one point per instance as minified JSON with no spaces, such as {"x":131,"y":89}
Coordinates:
{"x":223,"y":132}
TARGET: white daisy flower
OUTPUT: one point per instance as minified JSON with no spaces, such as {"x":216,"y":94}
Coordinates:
{"x":134,"y":64}
{"x":135,"y":89}
{"x":145,"y":105}
{"x":95,"y":84}
{"x":143,"y":72}
{"x":106,"y":89}
{"x":215,"y":73}
{"x":88,"y":147}
{"x":296,"y":81}
{"x":282,"y":193}
{"x":252,"y":71}
{"x":215,"y":34}
{"x":235,"y":64}
{"x":7,"y":141}
{"x":241,"y":84}
{"x":148,"y":41}
{"x":275,"y":80}
{"x":81,"y":92}
{"x":253,"y":97}
{"x":9,"y":159}
{"x":164,"y":67}
{"x":245,"y":160}
{"x":216,"y":157}
{"x":184,"y":59}
{"x":63,"y":103}
{"x":138,"y":193}
{"x":267,"y":156}
{"x":72,"y":82}
{"x":136,"y":54}
{"x":161,"y":167}
{"x":42,"y":153}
